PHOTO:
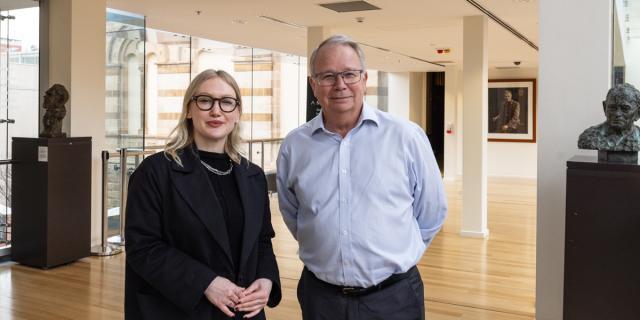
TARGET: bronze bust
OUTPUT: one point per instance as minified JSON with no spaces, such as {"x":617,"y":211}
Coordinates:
{"x":54,"y":101}
{"x":618,"y":137}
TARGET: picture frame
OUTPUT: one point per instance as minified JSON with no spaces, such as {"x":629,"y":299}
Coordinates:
{"x":512,"y":110}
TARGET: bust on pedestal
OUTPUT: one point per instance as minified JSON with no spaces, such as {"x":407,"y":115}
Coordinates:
{"x":601,"y":278}
{"x":51,"y":191}
{"x":617,"y":139}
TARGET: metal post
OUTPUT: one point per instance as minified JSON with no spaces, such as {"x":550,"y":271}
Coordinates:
{"x":105,"y":249}
{"x":124,"y":187}
{"x":123,"y":195}
{"x":262,"y":155}
{"x":250,"y":151}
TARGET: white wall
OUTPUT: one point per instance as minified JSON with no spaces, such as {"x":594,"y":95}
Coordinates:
{"x":512,"y":159}
{"x":504,"y":159}
{"x":574,"y":76}
{"x":452,"y":141}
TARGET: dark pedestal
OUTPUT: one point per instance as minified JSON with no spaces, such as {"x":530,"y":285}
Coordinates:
{"x":602,"y":240}
{"x":51,"y":200}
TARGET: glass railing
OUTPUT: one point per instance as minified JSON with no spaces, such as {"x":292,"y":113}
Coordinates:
{"x":119,"y":165}
{"x":5,"y":207}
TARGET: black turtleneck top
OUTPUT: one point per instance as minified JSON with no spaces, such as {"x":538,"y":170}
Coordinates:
{"x":225,"y":188}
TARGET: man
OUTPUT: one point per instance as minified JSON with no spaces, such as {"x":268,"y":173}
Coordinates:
{"x":618,"y":133}
{"x":361,"y":192}
{"x":508,"y":120}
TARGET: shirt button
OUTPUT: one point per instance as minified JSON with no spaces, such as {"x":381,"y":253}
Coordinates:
{"x":344,"y":200}
{"x":344,"y":171}
{"x":344,"y":232}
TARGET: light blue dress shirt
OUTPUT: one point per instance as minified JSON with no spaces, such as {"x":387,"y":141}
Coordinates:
{"x":362,"y":207}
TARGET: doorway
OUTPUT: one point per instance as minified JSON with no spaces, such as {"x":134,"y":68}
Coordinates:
{"x":435,"y":115}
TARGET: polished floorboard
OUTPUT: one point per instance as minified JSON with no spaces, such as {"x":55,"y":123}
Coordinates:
{"x":465,"y":278}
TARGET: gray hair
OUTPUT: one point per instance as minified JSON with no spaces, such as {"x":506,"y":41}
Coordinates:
{"x":337,"y":39}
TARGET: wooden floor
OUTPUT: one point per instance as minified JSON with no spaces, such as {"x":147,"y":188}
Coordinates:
{"x":464,"y":278}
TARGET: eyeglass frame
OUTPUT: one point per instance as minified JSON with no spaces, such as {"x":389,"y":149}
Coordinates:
{"x":335,"y":75}
{"x":213,"y":103}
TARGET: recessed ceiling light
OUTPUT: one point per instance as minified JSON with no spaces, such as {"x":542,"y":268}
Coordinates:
{"x":239,"y":21}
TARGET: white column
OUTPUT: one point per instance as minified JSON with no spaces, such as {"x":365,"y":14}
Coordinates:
{"x":76,"y":47}
{"x":574,"y":76}
{"x":474,"y":164}
{"x":315,"y":36}
{"x":451,"y":89}
{"x":418,"y":98}
{"x":399,"y":93}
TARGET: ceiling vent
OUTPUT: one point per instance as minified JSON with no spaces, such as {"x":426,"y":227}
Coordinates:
{"x":349,"y":6}
{"x":507,"y":68}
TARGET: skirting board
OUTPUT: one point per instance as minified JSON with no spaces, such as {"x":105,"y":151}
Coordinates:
{"x":475,"y":234}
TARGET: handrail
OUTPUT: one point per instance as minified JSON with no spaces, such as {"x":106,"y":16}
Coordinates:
{"x":123,"y":154}
{"x":264,"y":140}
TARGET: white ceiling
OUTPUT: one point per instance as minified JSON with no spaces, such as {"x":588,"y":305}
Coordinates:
{"x":17,"y":4}
{"x":410,"y":27}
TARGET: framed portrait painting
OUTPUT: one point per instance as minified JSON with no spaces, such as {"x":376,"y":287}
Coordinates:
{"x":512,"y":110}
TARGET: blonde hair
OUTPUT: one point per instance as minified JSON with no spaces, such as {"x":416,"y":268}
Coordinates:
{"x":182,"y":135}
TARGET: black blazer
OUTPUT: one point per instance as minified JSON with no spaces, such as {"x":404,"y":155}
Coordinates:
{"x":176,"y":238}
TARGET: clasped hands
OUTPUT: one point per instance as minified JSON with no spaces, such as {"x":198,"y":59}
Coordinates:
{"x":226,"y":295}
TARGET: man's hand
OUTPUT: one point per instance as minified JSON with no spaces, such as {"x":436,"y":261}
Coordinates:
{"x":255,"y":297}
{"x":224,"y":294}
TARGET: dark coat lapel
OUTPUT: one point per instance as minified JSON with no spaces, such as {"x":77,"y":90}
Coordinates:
{"x":195,"y":188}
{"x":252,"y":214}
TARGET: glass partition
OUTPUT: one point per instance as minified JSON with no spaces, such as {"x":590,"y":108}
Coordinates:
{"x":168,"y":76}
{"x":125,"y":70}
{"x":19,"y":61}
{"x":273,"y":87}
{"x":124,"y":105}
{"x":626,"y":42}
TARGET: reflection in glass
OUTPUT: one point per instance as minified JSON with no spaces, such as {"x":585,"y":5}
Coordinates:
{"x":124,"y":105}
{"x":124,"y":80}
{"x":19,"y":59}
{"x":168,"y":76}
{"x":626,"y":42}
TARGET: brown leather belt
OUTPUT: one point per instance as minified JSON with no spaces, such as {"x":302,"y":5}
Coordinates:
{"x":359,"y":291}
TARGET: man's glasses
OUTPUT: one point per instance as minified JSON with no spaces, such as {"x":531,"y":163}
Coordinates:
{"x":330,"y":78}
{"x":205,"y":103}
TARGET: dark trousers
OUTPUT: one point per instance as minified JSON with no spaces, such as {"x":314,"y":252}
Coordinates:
{"x":403,"y":300}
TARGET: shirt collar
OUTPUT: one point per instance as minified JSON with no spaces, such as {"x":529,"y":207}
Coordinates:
{"x":367,"y":114}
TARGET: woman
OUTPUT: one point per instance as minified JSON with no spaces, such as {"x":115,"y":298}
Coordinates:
{"x":198,"y":228}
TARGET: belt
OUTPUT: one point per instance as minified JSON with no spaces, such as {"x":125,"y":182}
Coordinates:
{"x":359,"y":291}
